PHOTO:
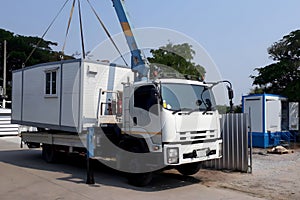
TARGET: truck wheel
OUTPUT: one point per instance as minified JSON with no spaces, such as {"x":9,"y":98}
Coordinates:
{"x":133,"y":164}
{"x":189,"y":169}
{"x":140,"y":179}
{"x":32,"y":145}
{"x":49,"y":153}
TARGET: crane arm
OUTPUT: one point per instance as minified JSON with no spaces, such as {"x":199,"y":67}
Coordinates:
{"x":138,"y":64}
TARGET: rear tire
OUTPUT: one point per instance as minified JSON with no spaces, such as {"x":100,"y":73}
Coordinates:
{"x":189,"y":169}
{"x":32,"y":145}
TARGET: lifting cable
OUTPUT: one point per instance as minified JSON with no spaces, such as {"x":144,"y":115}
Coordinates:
{"x":36,"y":46}
{"x":68,"y":27}
{"x":107,"y":33}
{"x":81,"y":30}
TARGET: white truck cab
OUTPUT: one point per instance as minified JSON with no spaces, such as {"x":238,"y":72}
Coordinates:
{"x":175,"y":116}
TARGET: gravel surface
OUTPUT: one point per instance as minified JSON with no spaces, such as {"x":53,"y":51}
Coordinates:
{"x":275,"y":176}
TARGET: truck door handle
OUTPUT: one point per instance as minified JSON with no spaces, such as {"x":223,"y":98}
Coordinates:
{"x":134,"y":121}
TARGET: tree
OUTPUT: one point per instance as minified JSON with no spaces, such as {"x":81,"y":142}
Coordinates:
{"x":176,"y":58}
{"x":283,"y":76}
{"x":19,"y":48}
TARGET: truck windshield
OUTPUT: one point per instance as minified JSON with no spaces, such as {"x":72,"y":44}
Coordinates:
{"x":180,"y":97}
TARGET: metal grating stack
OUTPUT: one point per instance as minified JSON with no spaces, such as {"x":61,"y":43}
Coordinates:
{"x":6,"y":128}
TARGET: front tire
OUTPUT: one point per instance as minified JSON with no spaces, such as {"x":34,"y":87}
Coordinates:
{"x":189,"y":169}
{"x":132,"y":164}
{"x":140,"y":179}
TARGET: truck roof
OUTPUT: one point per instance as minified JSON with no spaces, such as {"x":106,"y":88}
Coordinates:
{"x":172,"y":80}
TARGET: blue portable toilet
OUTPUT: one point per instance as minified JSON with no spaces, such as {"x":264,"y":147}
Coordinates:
{"x":266,"y":118}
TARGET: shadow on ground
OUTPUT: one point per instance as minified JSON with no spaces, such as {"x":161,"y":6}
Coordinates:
{"x":74,"y":169}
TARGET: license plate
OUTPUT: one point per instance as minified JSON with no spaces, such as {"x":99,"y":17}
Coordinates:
{"x":201,"y":153}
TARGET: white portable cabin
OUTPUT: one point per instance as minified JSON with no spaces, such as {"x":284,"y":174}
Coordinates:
{"x":266,"y":118}
{"x":64,"y":95}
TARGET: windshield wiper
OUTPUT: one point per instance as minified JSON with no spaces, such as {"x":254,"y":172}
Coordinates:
{"x":198,"y":103}
{"x":206,"y":110}
{"x":181,"y":109}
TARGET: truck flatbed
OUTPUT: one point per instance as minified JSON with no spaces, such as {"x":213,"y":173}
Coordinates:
{"x":64,"y":139}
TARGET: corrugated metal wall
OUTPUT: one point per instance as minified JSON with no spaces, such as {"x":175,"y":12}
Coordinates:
{"x":235,"y":144}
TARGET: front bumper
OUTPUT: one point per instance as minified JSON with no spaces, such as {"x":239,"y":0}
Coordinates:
{"x":178,"y":154}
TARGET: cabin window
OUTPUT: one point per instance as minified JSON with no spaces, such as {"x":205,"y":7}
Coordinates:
{"x":51,"y":82}
{"x":145,"y":98}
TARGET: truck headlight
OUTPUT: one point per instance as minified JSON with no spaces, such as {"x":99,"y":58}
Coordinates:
{"x":173,"y":155}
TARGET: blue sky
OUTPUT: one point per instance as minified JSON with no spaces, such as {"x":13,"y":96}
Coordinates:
{"x":236,"y":34}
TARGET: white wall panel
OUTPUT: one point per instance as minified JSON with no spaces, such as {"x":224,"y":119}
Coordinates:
{"x":17,"y":96}
{"x":70,"y":94}
{"x":37,"y":107}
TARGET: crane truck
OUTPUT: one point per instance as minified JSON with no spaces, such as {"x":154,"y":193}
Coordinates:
{"x":118,"y":114}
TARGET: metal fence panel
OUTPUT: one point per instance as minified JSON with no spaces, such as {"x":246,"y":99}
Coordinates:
{"x":235,"y":144}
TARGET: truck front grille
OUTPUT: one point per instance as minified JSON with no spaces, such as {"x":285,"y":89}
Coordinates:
{"x":197,"y":135}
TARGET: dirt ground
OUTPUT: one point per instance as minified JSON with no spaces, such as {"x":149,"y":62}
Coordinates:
{"x":274,"y":176}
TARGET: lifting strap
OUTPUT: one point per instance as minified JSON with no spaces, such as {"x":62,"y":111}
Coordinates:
{"x":36,"y":46}
{"x":81,"y":30}
{"x":68,"y":27}
{"x":107,"y":32}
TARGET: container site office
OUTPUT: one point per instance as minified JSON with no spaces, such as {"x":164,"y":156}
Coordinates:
{"x":65,"y":95}
{"x":272,"y":116}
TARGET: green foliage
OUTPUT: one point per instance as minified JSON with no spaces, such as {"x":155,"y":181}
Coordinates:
{"x":283,"y":76}
{"x":223,"y":109}
{"x":257,"y":90}
{"x":176,"y":58}
{"x":19,"y":48}
{"x":238,"y":109}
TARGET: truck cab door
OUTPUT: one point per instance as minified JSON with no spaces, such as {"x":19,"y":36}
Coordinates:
{"x":144,"y":110}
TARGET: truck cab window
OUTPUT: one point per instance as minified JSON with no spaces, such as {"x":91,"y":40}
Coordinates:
{"x":174,"y":97}
{"x":145,"y":98}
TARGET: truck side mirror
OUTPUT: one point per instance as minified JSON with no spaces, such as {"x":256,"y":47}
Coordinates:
{"x":230,"y":95}
{"x":230,"y":92}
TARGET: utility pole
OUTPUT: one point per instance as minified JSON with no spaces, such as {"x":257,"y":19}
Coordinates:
{"x":4,"y":75}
